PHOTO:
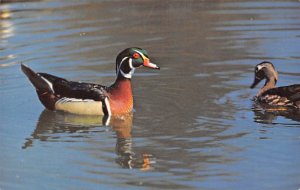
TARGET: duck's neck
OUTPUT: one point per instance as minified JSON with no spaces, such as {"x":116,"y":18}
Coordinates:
{"x":121,"y":99}
{"x":122,"y":84}
{"x":270,"y":83}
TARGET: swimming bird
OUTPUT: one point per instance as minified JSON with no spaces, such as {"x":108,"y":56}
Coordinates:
{"x":57,"y":93}
{"x":283,"y":97}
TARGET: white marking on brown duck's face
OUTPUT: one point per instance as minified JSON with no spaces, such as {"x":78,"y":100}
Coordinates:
{"x":270,"y":71}
{"x":259,"y":67}
{"x":266,"y":70}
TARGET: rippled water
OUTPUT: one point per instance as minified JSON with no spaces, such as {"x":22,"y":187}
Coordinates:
{"x":194,"y":125}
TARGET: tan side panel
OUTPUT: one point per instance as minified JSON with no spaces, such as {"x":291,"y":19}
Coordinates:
{"x":80,"y":107}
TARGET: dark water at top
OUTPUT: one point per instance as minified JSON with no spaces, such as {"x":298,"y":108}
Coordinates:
{"x":193,"y":125}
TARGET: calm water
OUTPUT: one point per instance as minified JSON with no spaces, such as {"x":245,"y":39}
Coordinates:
{"x":193,"y":127}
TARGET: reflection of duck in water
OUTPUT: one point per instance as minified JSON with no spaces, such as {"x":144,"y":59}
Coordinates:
{"x":53,"y":123}
{"x":266,"y":115}
{"x":127,"y":158}
{"x":270,"y":96}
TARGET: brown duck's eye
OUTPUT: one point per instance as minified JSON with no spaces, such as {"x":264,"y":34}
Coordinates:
{"x":136,"y":55}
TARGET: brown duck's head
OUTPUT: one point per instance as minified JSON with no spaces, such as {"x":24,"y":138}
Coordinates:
{"x":264,"y":70}
{"x":130,"y":59}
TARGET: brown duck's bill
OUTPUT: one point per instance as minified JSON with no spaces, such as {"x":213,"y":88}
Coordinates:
{"x":255,"y":82}
{"x":148,"y":64}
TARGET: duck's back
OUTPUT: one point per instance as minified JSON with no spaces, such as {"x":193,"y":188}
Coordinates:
{"x":282,"y":96}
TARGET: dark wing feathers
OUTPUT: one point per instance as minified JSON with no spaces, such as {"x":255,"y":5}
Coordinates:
{"x":285,"y":95}
{"x":296,"y":93}
{"x":291,"y":92}
{"x":79,"y":90}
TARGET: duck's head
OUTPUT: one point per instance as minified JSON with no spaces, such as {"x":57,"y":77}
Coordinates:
{"x":264,"y":70}
{"x":130,"y":59}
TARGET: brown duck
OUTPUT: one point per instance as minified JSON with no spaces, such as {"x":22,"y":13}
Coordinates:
{"x":269,"y":94}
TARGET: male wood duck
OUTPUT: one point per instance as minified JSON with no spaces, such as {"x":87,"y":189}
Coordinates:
{"x":91,"y":99}
{"x":283,"y":97}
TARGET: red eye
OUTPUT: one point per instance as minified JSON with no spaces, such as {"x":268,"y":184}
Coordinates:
{"x":136,"y":55}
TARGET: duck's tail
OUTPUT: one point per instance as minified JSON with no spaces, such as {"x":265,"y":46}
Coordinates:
{"x":44,"y":87}
{"x":40,"y":83}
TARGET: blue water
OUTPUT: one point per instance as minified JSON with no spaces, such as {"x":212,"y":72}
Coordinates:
{"x":194,"y":126}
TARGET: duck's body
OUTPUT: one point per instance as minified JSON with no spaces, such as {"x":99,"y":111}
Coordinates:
{"x":57,"y":93}
{"x":280,"y":97}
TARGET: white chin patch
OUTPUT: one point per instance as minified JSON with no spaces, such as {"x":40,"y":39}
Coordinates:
{"x":132,"y":69}
{"x":128,"y":75}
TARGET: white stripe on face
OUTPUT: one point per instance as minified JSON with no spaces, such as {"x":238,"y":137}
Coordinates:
{"x":119,"y":68}
{"x":141,"y":54}
{"x":126,"y":75}
{"x":130,"y":64}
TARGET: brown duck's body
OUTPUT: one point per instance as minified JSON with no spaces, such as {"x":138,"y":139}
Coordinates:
{"x":56,"y":93}
{"x":282,"y":96}
{"x":277,"y":97}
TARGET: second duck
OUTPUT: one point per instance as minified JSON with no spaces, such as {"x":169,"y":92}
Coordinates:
{"x":280,"y":97}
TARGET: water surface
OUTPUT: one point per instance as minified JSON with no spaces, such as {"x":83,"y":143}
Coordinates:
{"x":194,"y":126}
